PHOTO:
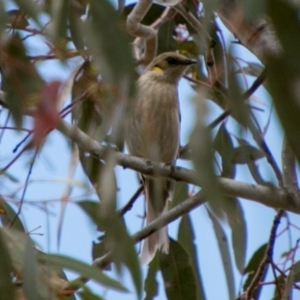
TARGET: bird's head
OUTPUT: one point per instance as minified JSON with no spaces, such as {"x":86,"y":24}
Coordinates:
{"x":169,"y":66}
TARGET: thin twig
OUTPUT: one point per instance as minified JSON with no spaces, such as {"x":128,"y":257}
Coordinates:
{"x":70,"y":54}
{"x":131,"y":201}
{"x":25,"y":188}
{"x":256,"y":84}
{"x":22,"y":141}
{"x":13,"y":161}
{"x":268,"y":257}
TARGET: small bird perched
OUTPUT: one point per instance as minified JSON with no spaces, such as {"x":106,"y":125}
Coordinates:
{"x":153,"y":134}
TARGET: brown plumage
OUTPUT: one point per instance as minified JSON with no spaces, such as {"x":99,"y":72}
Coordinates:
{"x":153,"y":133}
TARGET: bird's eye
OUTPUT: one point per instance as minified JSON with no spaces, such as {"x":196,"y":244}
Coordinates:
{"x":172,"y":60}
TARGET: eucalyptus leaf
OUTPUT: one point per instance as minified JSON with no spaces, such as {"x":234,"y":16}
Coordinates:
{"x":239,"y":109}
{"x":30,"y":281}
{"x":225,"y":255}
{"x":285,"y":18}
{"x":6,"y":285}
{"x":8,"y":215}
{"x":224,"y":145}
{"x":86,"y":294}
{"x":186,"y":237}
{"x":151,"y":283}
{"x":202,"y":157}
{"x":59,"y":20}
{"x":20,"y":81}
{"x":238,"y":225}
{"x":254,"y":9}
{"x":114,"y":58}
{"x":178,"y":274}
{"x":81,"y":268}
{"x":281,"y":87}
{"x":180,"y":194}
{"x":75,"y":26}
{"x":124,"y":252}
{"x":92,"y":209}
{"x":30,"y":8}
{"x":252,"y":267}
{"x":3,"y":17}
{"x":245,"y":154}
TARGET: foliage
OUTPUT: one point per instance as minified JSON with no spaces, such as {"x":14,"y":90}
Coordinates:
{"x":229,"y":143}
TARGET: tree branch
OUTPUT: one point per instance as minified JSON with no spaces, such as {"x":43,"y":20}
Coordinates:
{"x":289,"y":168}
{"x":135,"y":28}
{"x":269,"y":196}
{"x":170,"y":216}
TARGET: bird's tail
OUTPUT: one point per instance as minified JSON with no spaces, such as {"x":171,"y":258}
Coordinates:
{"x":157,"y":192}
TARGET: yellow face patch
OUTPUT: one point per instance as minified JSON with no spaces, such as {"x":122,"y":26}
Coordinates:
{"x":157,"y":70}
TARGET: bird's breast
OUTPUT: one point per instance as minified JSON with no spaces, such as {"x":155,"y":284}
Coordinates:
{"x":154,"y":129}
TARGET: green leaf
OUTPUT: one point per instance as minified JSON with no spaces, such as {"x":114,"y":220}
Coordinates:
{"x":8,"y":215}
{"x":239,"y":109}
{"x":224,"y":145}
{"x":15,"y":241}
{"x":282,"y":87}
{"x":166,"y":41}
{"x":99,"y":249}
{"x":3,"y":17}
{"x":202,"y":157}
{"x":81,"y":268}
{"x":245,"y":154}
{"x":296,"y":270}
{"x":49,"y":278}
{"x":186,"y":237}
{"x":249,"y":154}
{"x":86,"y":294}
{"x":30,"y":8}
{"x":180,"y":194}
{"x":253,"y":9}
{"x":151,"y":283}
{"x":285,"y":17}
{"x":284,"y":70}
{"x":59,"y":20}
{"x":108,"y":42}
{"x":20,"y":80}
{"x":92,"y":209}
{"x":188,"y":48}
{"x":30,"y":281}
{"x":252,"y":267}
{"x":253,"y":168}
{"x":293,"y":277}
{"x":124,"y":251}
{"x":6,"y":286}
{"x":10,"y":176}
{"x":238,"y":225}
{"x":75,"y":26}
{"x":177,"y":270}
{"x":94,"y":113}
{"x":225,"y":255}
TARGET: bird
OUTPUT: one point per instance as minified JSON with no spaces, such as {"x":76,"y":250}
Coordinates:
{"x":153,"y":133}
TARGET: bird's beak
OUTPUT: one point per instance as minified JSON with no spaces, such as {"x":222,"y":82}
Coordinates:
{"x":189,"y":62}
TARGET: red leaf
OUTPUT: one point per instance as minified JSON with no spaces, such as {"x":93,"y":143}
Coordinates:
{"x":46,"y":116}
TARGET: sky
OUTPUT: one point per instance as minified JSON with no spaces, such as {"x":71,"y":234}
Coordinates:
{"x":50,"y":174}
